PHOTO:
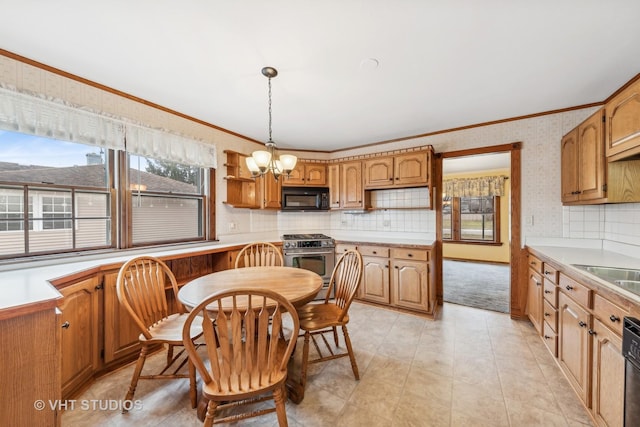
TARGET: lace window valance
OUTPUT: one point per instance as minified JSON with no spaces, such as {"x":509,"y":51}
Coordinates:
{"x":474,"y":187}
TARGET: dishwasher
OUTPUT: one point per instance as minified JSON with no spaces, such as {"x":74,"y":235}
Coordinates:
{"x":631,"y":352}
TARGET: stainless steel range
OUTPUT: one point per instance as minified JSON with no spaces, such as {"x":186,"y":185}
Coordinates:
{"x":314,"y":252}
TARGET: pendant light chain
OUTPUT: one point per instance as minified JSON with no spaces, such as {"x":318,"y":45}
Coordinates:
{"x":270,"y":140}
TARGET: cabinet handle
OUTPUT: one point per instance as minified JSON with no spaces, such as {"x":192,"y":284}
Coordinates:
{"x":547,"y":272}
{"x":374,"y":252}
{"x":397,"y":178}
{"x":569,"y":288}
{"x":66,"y":325}
{"x":395,"y":266}
{"x":614,"y":318}
{"x":582,"y":324}
{"x":410,"y":255}
{"x":547,"y":314}
{"x":390,"y":179}
{"x":387,"y":266}
{"x":100,"y":286}
{"x":538,"y":283}
{"x":547,"y":292}
{"x":592,"y":332}
{"x":547,"y":337}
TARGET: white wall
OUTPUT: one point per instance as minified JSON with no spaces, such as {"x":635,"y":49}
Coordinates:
{"x":540,"y":137}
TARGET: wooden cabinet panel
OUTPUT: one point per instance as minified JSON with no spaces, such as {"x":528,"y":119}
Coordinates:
{"x":550,"y":339}
{"x":378,"y":172}
{"x":550,"y":315}
{"x":534,"y":299}
{"x":573,"y":345}
{"x":579,"y":292}
{"x":120,"y":332}
{"x":412,"y":169}
{"x":584,"y":167}
{"x":351,"y":191}
{"x":550,"y":273}
{"x":607,"y":376}
{"x":375,"y":279}
{"x":535,"y":263}
{"x":550,"y":292}
{"x":80,"y":336}
{"x":410,"y":284}
{"x":305,"y":173}
{"x":609,"y":314}
{"x":333,"y":177}
{"x":269,"y":191}
{"x":623,"y":123}
{"x":378,"y":251}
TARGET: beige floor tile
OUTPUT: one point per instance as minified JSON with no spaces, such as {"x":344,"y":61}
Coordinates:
{"x":421,"y":410}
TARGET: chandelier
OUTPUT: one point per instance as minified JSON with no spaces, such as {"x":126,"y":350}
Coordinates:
{"x":263,"y":161}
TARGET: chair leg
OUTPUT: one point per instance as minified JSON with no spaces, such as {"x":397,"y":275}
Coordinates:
{"x":305,"y":360}
{"x":335,"y":336}
{"x":169,"y":354}
{"x":136,"y":375}
{"x":193,"y":392}
{"x":278,"y":397}
{"x":352,"y":356}
{"x":211,"y":410}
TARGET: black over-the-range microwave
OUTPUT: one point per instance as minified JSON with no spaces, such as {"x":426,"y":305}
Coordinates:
{"x":305,"y":199}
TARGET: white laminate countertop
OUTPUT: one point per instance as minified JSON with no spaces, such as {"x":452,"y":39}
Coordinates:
{"x":569,"y":256}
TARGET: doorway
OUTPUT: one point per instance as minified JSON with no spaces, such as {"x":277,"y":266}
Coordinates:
{"x":478,"y":235}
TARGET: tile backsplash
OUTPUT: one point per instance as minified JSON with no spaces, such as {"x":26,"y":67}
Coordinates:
{"x":613,"y":222}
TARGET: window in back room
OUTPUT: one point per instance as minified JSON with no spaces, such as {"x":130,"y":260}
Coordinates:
{"x":54,"y":196}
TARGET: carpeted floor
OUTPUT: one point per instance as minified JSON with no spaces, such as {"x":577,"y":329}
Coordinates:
{"x":475,"y":284}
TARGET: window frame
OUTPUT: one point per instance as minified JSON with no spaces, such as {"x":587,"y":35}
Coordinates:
{"x":456,"y":221}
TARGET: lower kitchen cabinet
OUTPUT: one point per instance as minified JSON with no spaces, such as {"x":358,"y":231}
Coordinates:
{"x":608,"y":374}
{"x":80,"y":337}
{"x":573,"y":345}
{"x":410,"y":284}
{"x":120,"y":331}
{"x":397,"y":276}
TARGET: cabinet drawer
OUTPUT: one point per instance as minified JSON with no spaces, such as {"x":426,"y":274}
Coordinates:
{"x":413,"y":254}
{"x":343,"y":247}
{"x":374,"y":251}
{"x":550,"y":292}
{"x":550,"y":316}
{"x":550,"y":273}
{"x":608,"y":313}
{"x":577,"y":291}
{"x":550,"y":339}
{"x":535,"y":263}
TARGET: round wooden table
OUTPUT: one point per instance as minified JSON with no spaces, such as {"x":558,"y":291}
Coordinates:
{"x":297,"y":285}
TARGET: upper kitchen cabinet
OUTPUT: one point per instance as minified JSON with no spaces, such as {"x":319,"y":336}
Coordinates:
{"x":306,"y":173}
{"x":623,"y":123}
{"x":583,"y":162}
{"x":241,"y":187}
{"x":401,"y":170}
{"x":333,"y":176}
{"x":351,"y":191}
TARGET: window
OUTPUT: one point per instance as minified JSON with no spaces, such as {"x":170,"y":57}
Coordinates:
{"x":65,"y":185}
{"x":162,"y":191}
{"x":471,"y":219}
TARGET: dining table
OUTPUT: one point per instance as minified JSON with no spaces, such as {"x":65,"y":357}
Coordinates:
{"x":297,"y":285}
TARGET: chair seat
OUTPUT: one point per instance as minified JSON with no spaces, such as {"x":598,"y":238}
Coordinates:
{"x":169,"y":330}
{"x":319,"y":316}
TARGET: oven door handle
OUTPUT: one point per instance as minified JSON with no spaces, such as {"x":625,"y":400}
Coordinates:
{"x":307,"y":253}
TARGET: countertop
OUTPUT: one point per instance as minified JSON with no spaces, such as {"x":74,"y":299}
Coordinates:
{"x":568,"y":256}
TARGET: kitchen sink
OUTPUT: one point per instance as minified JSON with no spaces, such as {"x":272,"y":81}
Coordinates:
{"x":626,"y":278}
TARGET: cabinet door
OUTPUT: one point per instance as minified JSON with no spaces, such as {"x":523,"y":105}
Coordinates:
{"x":410,"y":284}
{"x":296,"y":177}
{"x":608,"y":376}
{"x":351,"y":191}
{"x":120,"y":332}
{"x":270,"y":191}
{"x":80,"y":351}
{"x":375,"y":279}
{"x":378,"y":172}
{"x":573,"y":345}
{"x":569,"y":166}
{"x":334,"y":185}
{"x":534,"y":299}
{"x":623,"y":123}
{"x":411,"y":169}
{"x":315,"y":174}
{"x":592,"y":165}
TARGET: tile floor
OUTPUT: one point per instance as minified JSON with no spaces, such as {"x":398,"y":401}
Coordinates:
{"x":469,"y":368}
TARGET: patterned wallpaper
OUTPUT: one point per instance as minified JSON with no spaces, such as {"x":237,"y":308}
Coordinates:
{"x":542,"y":210}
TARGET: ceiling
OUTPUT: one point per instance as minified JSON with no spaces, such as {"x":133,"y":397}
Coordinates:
{"x":351,"y":73}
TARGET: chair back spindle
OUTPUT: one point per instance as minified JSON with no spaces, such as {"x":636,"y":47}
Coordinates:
{"x":259,"y":254}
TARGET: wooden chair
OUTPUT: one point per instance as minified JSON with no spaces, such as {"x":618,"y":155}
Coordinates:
{"x":259,"y":254}
{"x":141,"y":291}
{"x":247,"y":352}
{"x":318,"y":319}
